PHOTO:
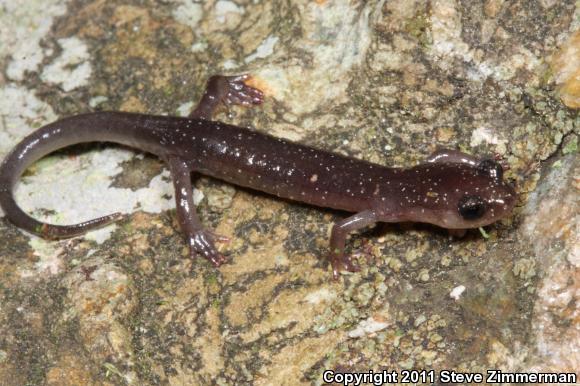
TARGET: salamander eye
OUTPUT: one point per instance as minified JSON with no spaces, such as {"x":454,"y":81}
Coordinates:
{"x":471,"y":207}
{"x":491,"y":168}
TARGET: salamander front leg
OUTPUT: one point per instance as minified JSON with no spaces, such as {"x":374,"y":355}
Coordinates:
{"x":200,"y":241}
{"x":340,"y":230}
{"x":223,"y":91}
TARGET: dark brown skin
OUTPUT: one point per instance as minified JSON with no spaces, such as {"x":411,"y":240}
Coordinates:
{"x":452,"y":189}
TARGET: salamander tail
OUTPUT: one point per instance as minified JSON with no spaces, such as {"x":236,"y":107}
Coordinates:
{"x":50,"y":231}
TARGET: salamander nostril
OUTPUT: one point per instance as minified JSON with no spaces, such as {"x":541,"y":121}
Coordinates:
{"x":491,"y":168}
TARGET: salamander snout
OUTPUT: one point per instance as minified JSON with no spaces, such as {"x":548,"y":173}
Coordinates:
{"x":491,"y":200}
{"x":483,"y":210}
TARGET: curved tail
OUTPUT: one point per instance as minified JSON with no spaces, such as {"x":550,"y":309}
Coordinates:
{"x":105,"y":126}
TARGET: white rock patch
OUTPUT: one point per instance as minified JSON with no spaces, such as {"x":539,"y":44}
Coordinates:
{"x":22,"y":26}
{"x":72,"y":68}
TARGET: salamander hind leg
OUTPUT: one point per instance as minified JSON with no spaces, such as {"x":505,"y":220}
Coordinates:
{"x":338,"y":260}
{"x":226,"y":90}
{"x":201,"y":241}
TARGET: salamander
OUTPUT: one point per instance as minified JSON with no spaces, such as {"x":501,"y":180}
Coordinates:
{"x":450,"y":189}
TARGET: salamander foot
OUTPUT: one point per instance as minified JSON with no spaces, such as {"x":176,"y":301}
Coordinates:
{"x":224,"y":91}
{"x":202,"y":243}
{"x":237,"y":92}
{"x":343,"y":263}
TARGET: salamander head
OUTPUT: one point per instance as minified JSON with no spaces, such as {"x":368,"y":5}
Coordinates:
{"x":480,"y":197}
{"x":462,"y":196}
